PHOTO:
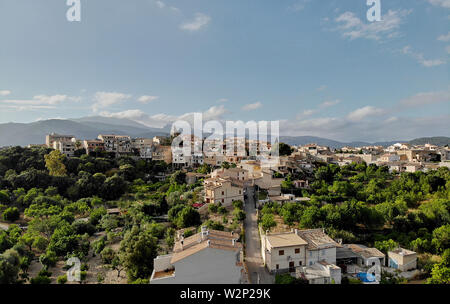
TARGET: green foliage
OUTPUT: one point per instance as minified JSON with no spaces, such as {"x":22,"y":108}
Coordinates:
{"x":62,"y":279}
{"x":55,"y":163}
{"x":11,"y":214}
{"x":267,"y":221}
{"x":385,"y":246}
{"x":9,"y":266}
{"x":441,"y":238}
{"x":440,"y":273}
{"x":284,"y":149}
{"x":137,"y":251}
{"x":288,"y":279}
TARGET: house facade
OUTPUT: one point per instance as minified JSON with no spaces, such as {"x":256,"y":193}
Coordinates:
{"x":208,"y":257}
{"x":222,"y":190}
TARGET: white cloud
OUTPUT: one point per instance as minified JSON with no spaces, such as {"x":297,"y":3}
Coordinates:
{"x":161,"y":120}
{"x":427,"y":98}
{"x":106,"y":99}
{"x":147,"y":99}
{"x":5,"y":93}
{"x":365,"y":112}
{"x":442,"y":3}
{"x":42,"y":100}
{"x":299,"y":5}
{"x":448,"y":49}
{"x":322,"y":88}
{"x":419,"y":57}
{"x":160,"y":4}
{"x":323,"y":105}
{"x":200,"y":21}
{"x":445,"y":38}
{"x":353,"y":27}
{"x":330,"y":103}
{"x":223,"y":100}
{"x":252,"y":106}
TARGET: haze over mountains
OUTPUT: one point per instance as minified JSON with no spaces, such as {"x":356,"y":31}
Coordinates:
{"x":22,"y":134}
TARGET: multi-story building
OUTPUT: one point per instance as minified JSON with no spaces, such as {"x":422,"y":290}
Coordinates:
{"x":162,"y":153}
{"x":119,"y":144}
{"x":65,"y":147}
{"x":208,"y":257}
{"x":223,"y":190}
{"x":284,"y":252}
{"x":235,"y":173}
{"x":93,"y":145}
{"x":144,"y":146}
{"x":51,"y":138}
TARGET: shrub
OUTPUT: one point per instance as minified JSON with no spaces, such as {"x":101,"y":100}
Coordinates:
{"x":62,"y":279}
{"x":11,"y":214}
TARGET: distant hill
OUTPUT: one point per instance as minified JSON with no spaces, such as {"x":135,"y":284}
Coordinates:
{"x":438,"y":141}
{"x":22,"y":134}
{"x":304,"y":140}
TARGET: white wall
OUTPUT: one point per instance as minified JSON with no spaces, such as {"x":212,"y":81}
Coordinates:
{"x":209,"y":266}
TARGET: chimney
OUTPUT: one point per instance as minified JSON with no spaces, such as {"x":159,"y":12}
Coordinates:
{"x":209,"y":243}
{"x":233,"y":241}
{"x":181,"y":242}
{"x":267,"y":232}
{"x":296,"y":231}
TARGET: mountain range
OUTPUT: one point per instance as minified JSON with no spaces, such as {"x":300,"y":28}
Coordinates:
{"x":22,"y":134}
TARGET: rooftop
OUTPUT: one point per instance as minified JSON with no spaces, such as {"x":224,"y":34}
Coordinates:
{"x":285,"y":240}
{"x":317,"y":239}
{"x":404,"y":252}
{"x":365,"y":251}
{"x":210,"y":239}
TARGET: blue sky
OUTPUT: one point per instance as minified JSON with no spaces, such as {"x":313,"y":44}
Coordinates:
{"x":318,"y":66}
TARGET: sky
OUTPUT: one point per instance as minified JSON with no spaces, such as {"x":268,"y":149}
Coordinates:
{"x":320,"y":67}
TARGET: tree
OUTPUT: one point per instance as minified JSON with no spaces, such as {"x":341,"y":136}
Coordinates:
{"x":187,"y":217}
{"x":441,"y":238}
{"x":239,"y":214}
{"x":385,"y":246}
{"x":54,"y":162}
{"x":11,"y":214}
{"x":238,"y":204}
{"x":268,"y":221}
{"x":137,"y":251}
{"x":440,"y":273}
{"x":113,"y":188}
{"x":9,"y":266}
{"x":284,"y":149}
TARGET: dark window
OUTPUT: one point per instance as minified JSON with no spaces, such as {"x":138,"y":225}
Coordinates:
{"x":281,"y":252}
{"x":300,"y":263}
{"x":278,"y":266}
{"x":297,"y":250}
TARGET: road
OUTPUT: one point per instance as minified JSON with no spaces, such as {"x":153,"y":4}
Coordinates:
{"x":253,"y":257}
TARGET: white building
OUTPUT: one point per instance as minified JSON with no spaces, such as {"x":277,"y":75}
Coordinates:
{"x":208,"y":257}
{"x":284,"y":252}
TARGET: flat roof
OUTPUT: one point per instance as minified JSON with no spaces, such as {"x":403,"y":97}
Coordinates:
{"x":285,"y":240}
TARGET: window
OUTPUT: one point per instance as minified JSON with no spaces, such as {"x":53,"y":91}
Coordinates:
{"x":297,"y":250}
{"x":300,"y":263}
{"x":281,"y":252}
{"x":223,"y":193}
{"x":277,"y":266}
{"x":310,"y":254}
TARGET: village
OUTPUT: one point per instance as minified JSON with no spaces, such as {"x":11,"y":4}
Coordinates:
{"x":309,"y":254}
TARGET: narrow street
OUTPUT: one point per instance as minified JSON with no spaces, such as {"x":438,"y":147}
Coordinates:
{"x":253,"y":259}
